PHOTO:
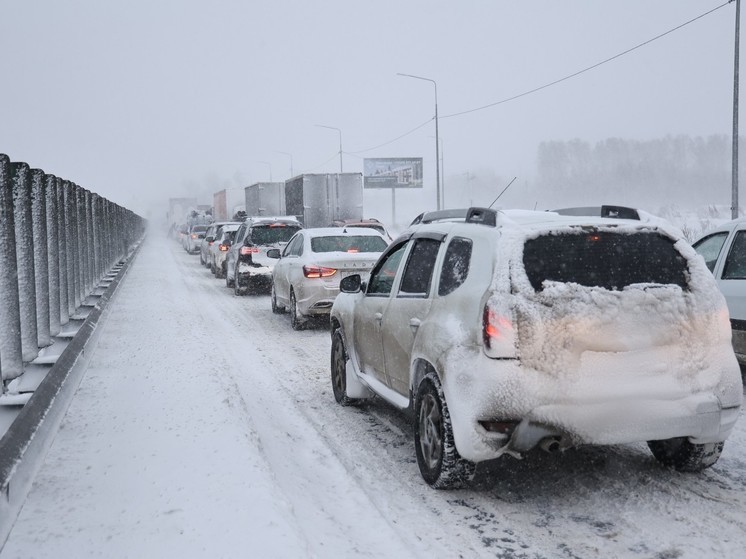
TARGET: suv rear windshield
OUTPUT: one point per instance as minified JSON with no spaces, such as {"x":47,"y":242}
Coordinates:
{"x":604,"y":259}
{"x":271,"y":234}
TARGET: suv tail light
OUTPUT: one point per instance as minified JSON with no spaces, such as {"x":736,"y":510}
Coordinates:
{"x":498,"y":333}
{"x":318,"y":271}
{"x":222,"y":247}
{"x":247,"y":251}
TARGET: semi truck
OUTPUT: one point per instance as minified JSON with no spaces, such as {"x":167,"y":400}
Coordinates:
{"x":226,"y":203}
{"x":265,"y":198}
{"x":317,"y":200}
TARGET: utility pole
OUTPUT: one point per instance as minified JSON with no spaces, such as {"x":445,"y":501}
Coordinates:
{"x":734,"y":181}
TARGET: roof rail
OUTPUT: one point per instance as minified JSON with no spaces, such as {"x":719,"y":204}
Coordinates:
{"x":484,"y":216}
{"x":615,"y":212}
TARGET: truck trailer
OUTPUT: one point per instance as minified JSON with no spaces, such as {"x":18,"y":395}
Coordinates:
{"x":317,"y":200}
{"x":226,"y":203}
{"x":265,"y":198}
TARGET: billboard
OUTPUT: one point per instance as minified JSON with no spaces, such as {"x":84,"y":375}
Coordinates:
{"x":392,"y":172}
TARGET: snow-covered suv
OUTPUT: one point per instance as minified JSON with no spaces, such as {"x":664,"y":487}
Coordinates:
{"x":503,"y":331}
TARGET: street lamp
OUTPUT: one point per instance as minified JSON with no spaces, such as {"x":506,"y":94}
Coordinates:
{"x":340,"y":142}
{"x":734,"y":163}
{"x":268,"y":164}
{"x":437,"y":137}
{"x":290,"y":155}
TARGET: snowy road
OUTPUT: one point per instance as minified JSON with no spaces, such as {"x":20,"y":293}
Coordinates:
{"x":206,"y":427}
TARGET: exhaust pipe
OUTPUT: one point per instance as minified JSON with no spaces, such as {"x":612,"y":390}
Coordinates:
{"x":550,"y":444}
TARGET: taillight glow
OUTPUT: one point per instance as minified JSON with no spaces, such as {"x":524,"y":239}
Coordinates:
{"x":194,"y":235}
{"x":318,"y":271}
{"x":498,"y":332}
{"x":223,"y":248}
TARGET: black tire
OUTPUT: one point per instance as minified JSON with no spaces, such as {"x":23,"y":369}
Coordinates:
{"x":213,"y":269}
{"x":297,"y":321}
{"x":440,"y":463}
{"x":228,"y":282}
{"x":685,"y":456}
{"x":339,"y":370}
{"x":277,"y":309}
{"x":238,"y":289}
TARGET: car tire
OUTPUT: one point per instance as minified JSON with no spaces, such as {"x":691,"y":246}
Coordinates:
{"x":297,"y":322}
{"x":277,"y":309}
{"x":440,"y":463}
{"x":228,"y":282}
{"x":685,"y":456}
{"x":213,"y":270}
{"x":339,"y":370}
{"x":238,"y":289}
{"x":201,"y":259}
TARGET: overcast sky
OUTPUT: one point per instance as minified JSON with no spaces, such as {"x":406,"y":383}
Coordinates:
{"x":144,"y":100}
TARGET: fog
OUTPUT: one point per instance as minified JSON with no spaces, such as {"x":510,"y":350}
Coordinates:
{"x":142,"y":101}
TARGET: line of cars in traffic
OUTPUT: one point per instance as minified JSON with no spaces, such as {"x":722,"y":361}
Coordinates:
{"x":504,"y":331}
{"x":300,"y":268}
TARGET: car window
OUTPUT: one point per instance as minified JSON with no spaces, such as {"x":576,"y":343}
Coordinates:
{"x":418,"y":273}
{"x":348,"y":243}
{"x":710,"y":248}
{"x":382,"y":276}
{"x":735,"y":265}
{"x":296,"y":245}
{"x":455,"y":265}
{"x":240,"y":233}
{"x":604,"y":259}
{"x":272,"y":234}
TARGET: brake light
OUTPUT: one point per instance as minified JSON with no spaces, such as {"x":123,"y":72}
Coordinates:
{"x":318,"y":271}
{"x":353,"y":250}
{"x":498,"y":333}
{"x":223,"y":248}
{"x":245,"y":251}
{"x":194,"y":235}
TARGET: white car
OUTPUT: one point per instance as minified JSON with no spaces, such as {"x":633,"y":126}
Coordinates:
{"x":307,"y":275}
{"x":504,"y":331}
{"x":224,"y":236}
{"x":724,"y":251}
{"x":194,"y":237}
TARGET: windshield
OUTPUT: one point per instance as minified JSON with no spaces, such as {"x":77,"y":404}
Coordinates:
{"x":604,"y":259}
{"x":273,"y":233}
{"x":348,"y":243}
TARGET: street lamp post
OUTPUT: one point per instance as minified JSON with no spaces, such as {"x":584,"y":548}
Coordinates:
{"x":290,"y":155}
{"x":734,"y":179}
{"x":438,"y":194}
{"x":340,"y":142}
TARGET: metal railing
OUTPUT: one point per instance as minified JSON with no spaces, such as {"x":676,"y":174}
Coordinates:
{"x":57,"y":242}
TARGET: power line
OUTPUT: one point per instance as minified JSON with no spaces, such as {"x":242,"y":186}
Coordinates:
{"x":413,"y":130}
{"x":555,"y":82}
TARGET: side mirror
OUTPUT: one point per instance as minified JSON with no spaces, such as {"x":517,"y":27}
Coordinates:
{"x":350,"y":284}
{"x":273,"y":253}
{"x":209,"y":239}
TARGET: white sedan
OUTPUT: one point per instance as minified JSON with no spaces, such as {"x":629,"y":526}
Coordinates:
{"x":306,"y":278}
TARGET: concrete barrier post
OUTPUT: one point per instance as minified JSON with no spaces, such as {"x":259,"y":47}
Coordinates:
{"x":41,"y":256}
{"x":71,"y":233}
{"x":62,"y":186}
{"x":53,"y":255}
{"x":11,"y":357}
{"x":90,"y":243}
{"x":25,"y":259}
{"x":80,"y":256}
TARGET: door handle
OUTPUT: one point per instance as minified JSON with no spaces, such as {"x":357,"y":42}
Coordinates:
{"x":414,"y":324}
{"x":379,"y":317}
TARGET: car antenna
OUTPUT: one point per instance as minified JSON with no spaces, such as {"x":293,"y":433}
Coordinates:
{"x":503,"y":192}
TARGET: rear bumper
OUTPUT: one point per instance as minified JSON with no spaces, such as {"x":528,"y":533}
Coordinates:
{"x":316,"y":300}
{"x":607,"y":407}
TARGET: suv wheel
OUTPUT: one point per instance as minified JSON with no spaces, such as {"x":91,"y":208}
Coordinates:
{"x":297,"y":321}
{"x":339,"y":370}
{"x":440,"y":463}
{"x":238,"y":288}
{"x":685,"y":456}
{"x":228,"y":281}
{"x":277,"y":309}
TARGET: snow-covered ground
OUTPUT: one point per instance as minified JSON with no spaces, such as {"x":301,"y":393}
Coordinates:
{"x":206,"y":427}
